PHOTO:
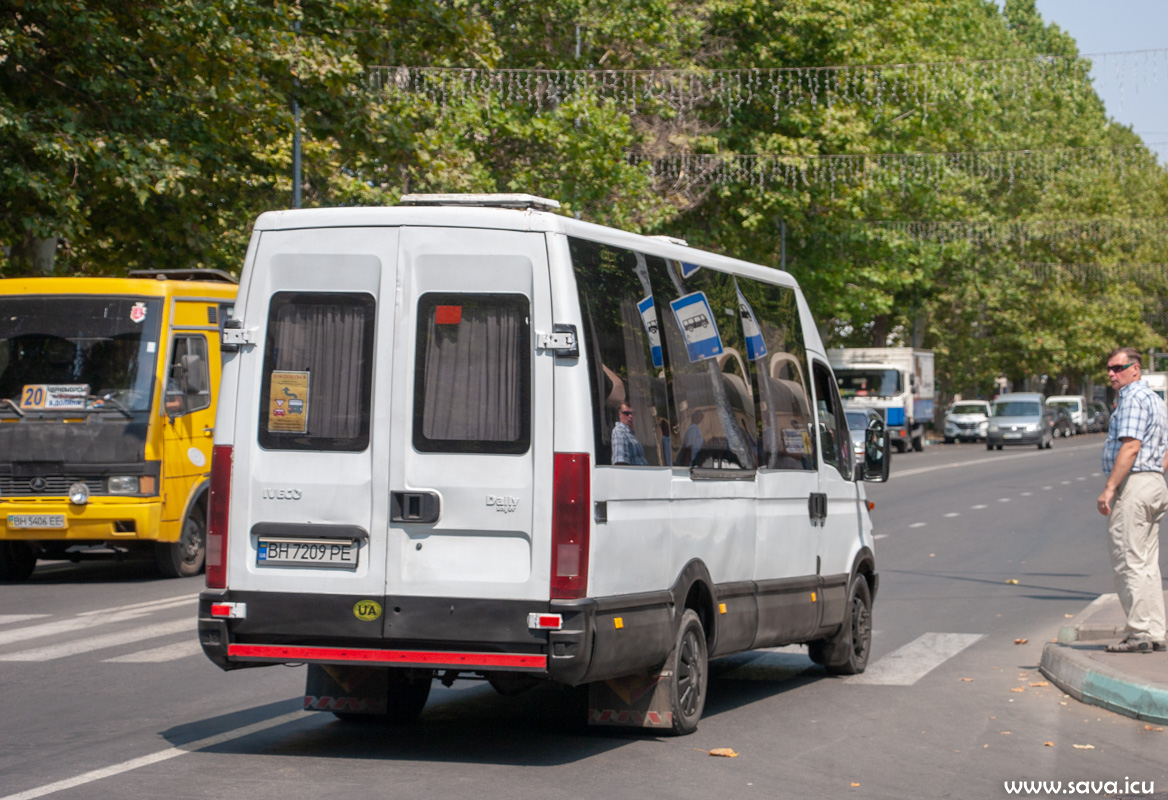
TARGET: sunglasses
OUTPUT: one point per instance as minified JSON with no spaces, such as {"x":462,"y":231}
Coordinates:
{"x":626,"y":413}
{"x":1120,"y":367}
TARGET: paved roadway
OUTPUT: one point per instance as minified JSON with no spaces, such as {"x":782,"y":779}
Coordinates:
{"x":950,"y":707}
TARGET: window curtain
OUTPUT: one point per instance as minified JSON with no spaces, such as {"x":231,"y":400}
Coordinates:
{"x":326,"y":342}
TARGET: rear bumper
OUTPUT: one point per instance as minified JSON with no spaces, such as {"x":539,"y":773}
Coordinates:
{"x":468,"y":635}
{"x":101,"y":519}
{"x":1023,"y":438}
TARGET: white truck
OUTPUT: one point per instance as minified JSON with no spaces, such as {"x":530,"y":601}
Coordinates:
{"x":895,"y":381}
{"x":1158,"y":381}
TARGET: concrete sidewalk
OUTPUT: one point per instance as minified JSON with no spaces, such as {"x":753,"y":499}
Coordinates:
{"x":1133,"y":684}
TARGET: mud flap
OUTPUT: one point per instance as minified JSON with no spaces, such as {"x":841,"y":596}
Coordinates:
{"x":637,"y":701}
{"x":351,"y":689}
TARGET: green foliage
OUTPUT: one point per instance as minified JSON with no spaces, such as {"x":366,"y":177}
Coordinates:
{"x":147,"y":134}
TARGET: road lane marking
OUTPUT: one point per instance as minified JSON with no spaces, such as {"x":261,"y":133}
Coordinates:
{"x":1028,"y":494}
{"x":917,"y":525}
{"x":154,"y":758}
{"x":988,"y":460}
{"x":1003,"y":499}
{"x":149,"y":605}
{"x":8,"y":619}
{"x":979,"y":505}
{"x":880,"y":536}
{"x":907,"y":665}
{"x":168,"y":652}
{"x":79,"y":646}
{"x":953,"y":514}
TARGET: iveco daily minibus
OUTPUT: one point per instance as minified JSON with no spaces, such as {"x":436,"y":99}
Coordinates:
{"x":468,"y":437}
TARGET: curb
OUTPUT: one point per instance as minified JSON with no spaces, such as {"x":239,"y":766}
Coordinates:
{"x":1073,"y":671}
{"x":1080,"y":630}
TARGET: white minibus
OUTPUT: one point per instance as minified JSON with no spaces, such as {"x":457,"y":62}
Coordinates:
{"x":471,"y":438}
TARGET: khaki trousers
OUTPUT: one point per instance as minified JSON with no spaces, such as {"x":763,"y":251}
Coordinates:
{"x":1134,"y":533}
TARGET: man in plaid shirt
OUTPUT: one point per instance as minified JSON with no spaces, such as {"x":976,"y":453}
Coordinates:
{"x":626,"y":450}
{"x":1134,"y":501}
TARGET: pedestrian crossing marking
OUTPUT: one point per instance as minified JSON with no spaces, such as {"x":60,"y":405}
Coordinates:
{"x":79,"y":646}
{"x":157,"y":655}
{"x":907,"y":665}
{"x":8,"y":619}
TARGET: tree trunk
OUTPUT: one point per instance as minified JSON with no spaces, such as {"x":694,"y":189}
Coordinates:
{"x":34,"y":256}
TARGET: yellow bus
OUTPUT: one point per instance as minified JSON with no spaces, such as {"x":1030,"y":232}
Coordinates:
{"x":107,"y":409}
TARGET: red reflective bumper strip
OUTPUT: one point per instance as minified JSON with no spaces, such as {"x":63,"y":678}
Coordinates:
{"x":333,"y":654}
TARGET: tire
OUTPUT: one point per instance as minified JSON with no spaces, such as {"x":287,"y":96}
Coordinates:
{"x":688,"y":665}
{"x":900,"y":447}
{"x":847,"y":652}
{"x":184,"y":558}
{"x":1041,"y":444}
{"x":17,"y":560}
{"x":918,"y":444}
{"x":948,"y":440}
{"x":989,"y":446}
{"x":407,"y":693}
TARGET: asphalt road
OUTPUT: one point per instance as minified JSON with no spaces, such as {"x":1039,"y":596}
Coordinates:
{"x":977,"y":550}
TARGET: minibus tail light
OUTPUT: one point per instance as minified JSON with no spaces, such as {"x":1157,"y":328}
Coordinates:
{"x":571,"y":496}
{"x":217,"y":517}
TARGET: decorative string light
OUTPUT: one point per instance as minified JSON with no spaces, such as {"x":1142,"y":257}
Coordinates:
{"x":1022,"y":233}
{"x":793,"y":172}
{"x":883,"y":87}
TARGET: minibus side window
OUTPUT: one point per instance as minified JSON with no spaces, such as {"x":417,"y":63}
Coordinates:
{"x":472,"y":374}
{"x":621,"y":324}
{"x":710,"y":388}
{"x":833,"y":424}
{"x":318,"y":372}
{"x":779,"y":371}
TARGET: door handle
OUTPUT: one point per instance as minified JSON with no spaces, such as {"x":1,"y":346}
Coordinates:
{"x":817,"y":506}
{"x":208,"y":431}
{"x":415,"y":507}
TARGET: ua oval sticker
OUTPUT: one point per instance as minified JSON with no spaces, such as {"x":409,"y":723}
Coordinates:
{"x":367,"y":610}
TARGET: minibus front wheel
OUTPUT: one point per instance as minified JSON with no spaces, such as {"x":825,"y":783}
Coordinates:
{"x":184,"y":558}
{"x":17,"y":560}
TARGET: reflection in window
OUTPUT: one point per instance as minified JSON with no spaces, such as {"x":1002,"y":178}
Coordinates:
{"x":188,"y":384}
{"x":833,"y":426}
{"x":626,"y":365}
{"x":779,"y":364}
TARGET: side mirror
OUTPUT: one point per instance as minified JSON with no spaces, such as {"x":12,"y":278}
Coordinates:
{"x":877,"y":453}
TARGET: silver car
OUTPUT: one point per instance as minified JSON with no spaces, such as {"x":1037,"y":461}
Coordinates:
{"x":967,"y":420}
{"x":1019,"y":418}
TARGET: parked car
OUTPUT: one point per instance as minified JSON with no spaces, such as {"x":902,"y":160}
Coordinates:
{"x":1019,"y":418}
{"x":1076,"y":405}
{"x":859,"y":420}
{"x":967,"y":420}
{"x":1061,"y":423}
{"x":1098,"y":416}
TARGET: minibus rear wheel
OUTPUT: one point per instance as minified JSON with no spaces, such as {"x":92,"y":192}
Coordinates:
{"x":688,"y":663}
{"x":184,"y":558}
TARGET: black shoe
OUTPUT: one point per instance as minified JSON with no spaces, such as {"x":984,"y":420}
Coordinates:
{"x":1131,"y":646}
{"x":1159,"y":646}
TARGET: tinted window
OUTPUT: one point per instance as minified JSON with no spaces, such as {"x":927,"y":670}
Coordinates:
{"x":1017,"y":408}
{"x":318,"y":372}
{"x":623,"y":348}
{"x":108,"y":344}
{"x":833,"y":428}
{"x":968,"y":408}
{"x":781,"y":376}
{"x":472,"y":381}
{"x":711,"y":391}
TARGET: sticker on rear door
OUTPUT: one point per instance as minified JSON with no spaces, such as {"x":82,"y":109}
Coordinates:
{"x":288,"y":402}
{"x":367,"y":610}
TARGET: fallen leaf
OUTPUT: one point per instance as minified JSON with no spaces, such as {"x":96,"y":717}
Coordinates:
{"x":725,"y":752}
{"x":968,"y":680}
{"x":1018,"y":689}
{"x":1150,"y":728}
{"x":985,"y":745}
{"x":1068,"y":616}
{"x":1062,"y":702}
{"x":1005,"y":733}
{"x":932,"y":555}
{"x":1048,"y":744}
{"x":855,"y":784}
{"x":1013,"y":581}
{"x":1039,"y":683}
{"x":1083,"y":746}
{"x":1021,"y":641}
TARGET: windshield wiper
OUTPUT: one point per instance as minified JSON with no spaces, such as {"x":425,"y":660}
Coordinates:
{"x":16,"y":408}
{"x":109,"y":398}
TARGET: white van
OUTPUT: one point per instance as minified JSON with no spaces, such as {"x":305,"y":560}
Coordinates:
{"x":1076,"y":406}
{"x":470,"y":438}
